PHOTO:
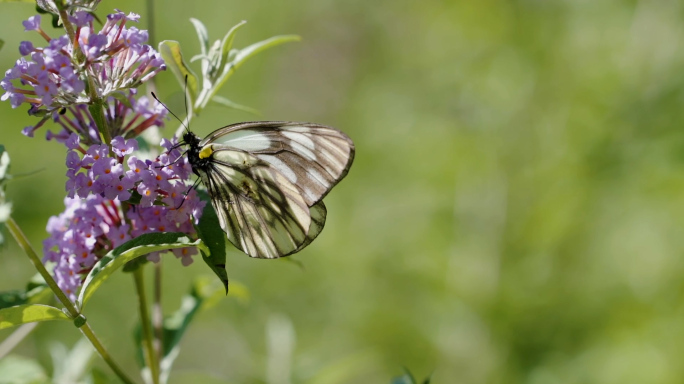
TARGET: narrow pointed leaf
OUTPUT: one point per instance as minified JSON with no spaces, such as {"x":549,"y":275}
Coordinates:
{"x":140,"y":246}
{"x":34,"y":294}
{"x":29,"y":313}
{"x":171,"y":52}
{"x":214,"y":239}
{"x":202,"y":35}
{"x":12,"y":298}
{"x":204,"y":293}
{"x":255,"y":48}
{"x":227,"y":42}
{"x":122,"y":98}
{"x":198,"y":57}
{"x":241,"y":57}
{"x":230,"y":104}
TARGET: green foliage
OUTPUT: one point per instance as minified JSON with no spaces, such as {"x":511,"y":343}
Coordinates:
{"x":218,"y":62}
{"x":140,"y":246}
{"x":514,"y":213}
{"x":28,"y":313}
{"x":204,"y":294}
{"x":220,"y":100}
{"x":408,"y":378}
{"x":214,"y":239}
{"x":171,"y":52}
{"x":71,"y":366}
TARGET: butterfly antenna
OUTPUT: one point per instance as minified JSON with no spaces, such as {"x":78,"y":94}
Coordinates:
{"x":178,"y":159}
{"x":171,"y":112}
{"x":185,"y":197}
{"x":185,"y":101}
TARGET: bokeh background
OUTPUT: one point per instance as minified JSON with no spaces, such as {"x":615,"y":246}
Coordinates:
{"x":514,"y":213}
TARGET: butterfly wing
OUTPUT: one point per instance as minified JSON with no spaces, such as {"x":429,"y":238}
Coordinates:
{"x":313,"y":157}
{"x":262,"y":213}
{"x":267,"y":181}
{"x":318,"y":213}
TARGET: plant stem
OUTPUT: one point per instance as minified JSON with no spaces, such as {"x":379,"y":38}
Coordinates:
{"x":23,"y":242}
{"x":88,"y":332}
{"x":152,"y":361}
{"x":157,"y":312}
{"x":97,"y":111}
{"x":38,"y":264}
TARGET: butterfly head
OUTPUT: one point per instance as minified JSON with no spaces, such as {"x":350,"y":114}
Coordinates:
{"x":194,"y":148}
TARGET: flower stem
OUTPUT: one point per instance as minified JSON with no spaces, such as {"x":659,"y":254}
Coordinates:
{"x":152,"y":361}
{"x":88,"y":332}
{"x":23,"y":242}
{"x":38,"y":264}
{"x":97,"y":111}
{"x":157,"y":312}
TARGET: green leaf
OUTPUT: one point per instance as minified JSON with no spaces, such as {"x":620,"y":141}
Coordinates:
{"x":12,"y":298}
{"x":135,"y":198}
{"x":99,"y":377}
{"x":255,"y":48}
{"x":134,"y":264}
{"x":227,"y":103}
{"x":96,"y":110}
{"x":209,"y":230}
{"x":227,"y":43}
{"x":34,"y":294}
{"x":408,"y":378}
{"x":202,"y":35}
{"x":241,"y":57}
{"x":203,"y":294}
{"x":176,"y":324}
{"x":122,"y":98}
{"x":143,"y":146}
{"x":198,"y":57}
{"x":116,"y":258}
{"x":20,"y":370}
{"x":4,"y":162}
{"x":70,"y":366}
{"x":40,"y":295}
{"x":404,"y":379}
{"x":171,"y":52}
{"x":35,"y":281}
{"x":28,"y":313}
{"x":2,"y":44}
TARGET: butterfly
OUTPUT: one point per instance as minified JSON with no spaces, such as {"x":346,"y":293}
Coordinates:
{"x":267,"y":181}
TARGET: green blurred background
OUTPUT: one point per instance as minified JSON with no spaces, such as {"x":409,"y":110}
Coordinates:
{"x":513,"y":215}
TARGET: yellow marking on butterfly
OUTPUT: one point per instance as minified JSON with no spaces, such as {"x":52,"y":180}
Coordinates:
{"x":206,"y":152}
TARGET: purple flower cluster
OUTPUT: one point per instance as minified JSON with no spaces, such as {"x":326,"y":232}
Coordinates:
{"x":113,"y":193}
{"x":104,"y":217}
{"x":128,"y":119}
{"x":53,"y":79}
{"x":117,"y":56}
{"x":50,"y":75}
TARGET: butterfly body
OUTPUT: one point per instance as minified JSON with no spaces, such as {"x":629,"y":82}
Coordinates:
{"x":267,"y":179}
